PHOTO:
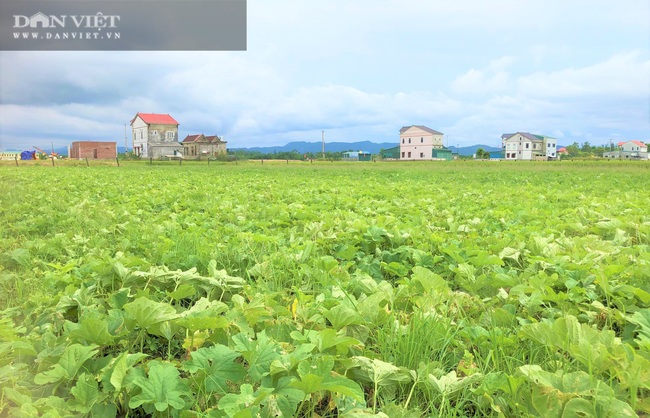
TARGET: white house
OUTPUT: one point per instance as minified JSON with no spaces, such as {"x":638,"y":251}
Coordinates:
{"x":527,"y":147}
{"x":155,"y":135}
{"x":629,"y":150}
{"x":417,"y":142}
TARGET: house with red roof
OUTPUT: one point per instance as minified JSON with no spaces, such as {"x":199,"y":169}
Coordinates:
{"x":155,"y":135}
{"x":195,"y":146}
{"x":630,"y":150}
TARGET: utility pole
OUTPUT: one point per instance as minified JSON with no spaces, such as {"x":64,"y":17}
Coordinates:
{"x":126,"y":144}
{"x":322,"y":133}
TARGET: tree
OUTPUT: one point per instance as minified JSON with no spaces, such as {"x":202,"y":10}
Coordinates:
{"x":482,"y":154}
{"x":573,"y":150}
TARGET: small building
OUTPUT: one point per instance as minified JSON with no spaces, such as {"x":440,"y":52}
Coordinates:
{"x":417,"y":142}
{"x":630,"y":150}
{"x":96,"y":150}
{"x":497,"y":155}
{"x":356,"y":156}
{"x":525,"y":146}
{"x":390,"y":153}
{"x":442,"y":154}
{"x":195,"y":146}
{"x":155,"y":135}
{"x":10,"y":155}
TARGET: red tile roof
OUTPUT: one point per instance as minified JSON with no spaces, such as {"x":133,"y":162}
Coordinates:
{"x":192,"y":138}
{"x":634,"y":141}
{"x":156,"y":118}
{"x":213,"y":138}
{"x":203,"y":139}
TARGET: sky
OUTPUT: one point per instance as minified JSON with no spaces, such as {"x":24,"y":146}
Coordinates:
{"x":358,"y":70}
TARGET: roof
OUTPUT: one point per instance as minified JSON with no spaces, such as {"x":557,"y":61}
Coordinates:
{"x":155,"y":118}
{"x":634,"y":141}
{"x":528,"y":135}
{"x":214,"y":139}
{"x":424,"y":128}
{"x":192,"y":138}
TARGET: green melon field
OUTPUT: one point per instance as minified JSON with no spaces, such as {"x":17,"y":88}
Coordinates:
{"x":441,"y":289}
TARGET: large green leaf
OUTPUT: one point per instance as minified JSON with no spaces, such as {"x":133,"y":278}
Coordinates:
{"x":70,"y":362}
{"x":318,"y":376}
{"x":451,"y":383}
{"x":163,"y":388}
{"x":259,"y":353}
{"x":147,"y":312}
{"x":244,"y":404}
{"x":217,"y":366}
{"x":341,"y":315}
{"x":86,"y":393}
{"x":91,"y":331}
{"x":378,"y":372}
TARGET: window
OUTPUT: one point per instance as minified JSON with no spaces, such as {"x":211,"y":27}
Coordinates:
{"x":527,"y":145}
{"x":421,"y":140}
{"x":409,"y":155}
{"x":409,"y":140}
{"x":402,"y":154}
{"x":402,"y":140}
{"x":421,"y":155}
{"x":170,"y":135}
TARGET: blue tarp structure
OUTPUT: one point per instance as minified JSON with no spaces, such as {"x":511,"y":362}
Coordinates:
{"x":27,"y":155}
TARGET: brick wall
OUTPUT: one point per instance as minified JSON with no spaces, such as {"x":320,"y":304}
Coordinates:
{"x":93,"y":150}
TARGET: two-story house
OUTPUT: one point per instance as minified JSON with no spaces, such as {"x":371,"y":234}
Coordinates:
{"x":636,"y":150}
{"x":195,"y":146}
{"x":418,"y":142}
{"x":527,"y":147}
{"x":155,"y":135}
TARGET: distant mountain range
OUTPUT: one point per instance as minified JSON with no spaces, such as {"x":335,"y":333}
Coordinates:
{"x":371,"y":147}
{"x":303,"y":147}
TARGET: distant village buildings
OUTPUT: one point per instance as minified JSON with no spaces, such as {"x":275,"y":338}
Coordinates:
{"x":195,"y":146}
{"x":155,"y":135}
{"x":630,"y":150}
{"x":421,"y":143}
{"x":525,"y":146}
{"x":356,"y":156}
{"x":96,"y":150}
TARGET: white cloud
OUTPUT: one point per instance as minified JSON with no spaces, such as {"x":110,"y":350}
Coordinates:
{"x":622,"y":75}
{"x":470,"y":68}
{"x":494,"y":78}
